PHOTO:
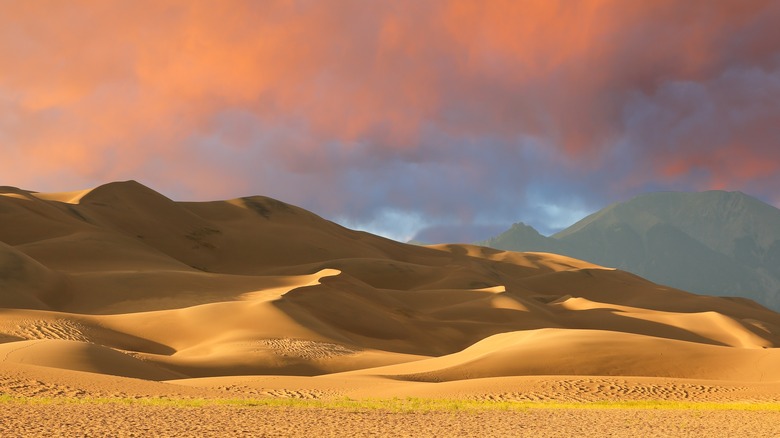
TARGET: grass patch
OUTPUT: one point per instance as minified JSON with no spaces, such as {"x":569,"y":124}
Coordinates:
{"x":396,"y":404}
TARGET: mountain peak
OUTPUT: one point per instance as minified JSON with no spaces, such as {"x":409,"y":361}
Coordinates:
{"x":523,"y":227}
{"x":524,"y":236}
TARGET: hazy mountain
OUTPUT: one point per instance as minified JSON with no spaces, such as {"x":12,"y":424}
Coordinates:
{"x":715,"y":242}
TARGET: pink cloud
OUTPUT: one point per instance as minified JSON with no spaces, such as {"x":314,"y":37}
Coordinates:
{"x":94,"y":92}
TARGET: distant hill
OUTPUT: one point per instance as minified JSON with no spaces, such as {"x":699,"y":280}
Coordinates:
{"x":715,"y":242}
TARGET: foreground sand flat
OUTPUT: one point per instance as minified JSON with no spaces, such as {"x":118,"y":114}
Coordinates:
{"x":80,"y":420}
{"x":56,"y":402}
{"x":120,"y":292}
{"x":74,"y":405}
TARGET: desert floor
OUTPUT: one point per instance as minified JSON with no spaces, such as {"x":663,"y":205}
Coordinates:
{"x":43,"y":401}
{"x":85,"y":420}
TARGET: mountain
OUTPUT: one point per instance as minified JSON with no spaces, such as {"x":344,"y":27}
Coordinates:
{"x":121,"y":280}
{"x":715,"y":242}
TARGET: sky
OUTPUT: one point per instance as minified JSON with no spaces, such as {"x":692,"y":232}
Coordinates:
{"x":432,"y":120}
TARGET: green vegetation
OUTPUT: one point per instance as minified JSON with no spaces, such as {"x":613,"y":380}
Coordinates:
{"x":397,"y":404}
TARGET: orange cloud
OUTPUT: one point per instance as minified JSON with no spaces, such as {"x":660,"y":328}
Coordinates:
{"x":112,"y":90}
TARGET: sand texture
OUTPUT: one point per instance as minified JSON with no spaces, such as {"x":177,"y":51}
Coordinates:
{"x":119,"y":291}
{"x":225,"y":421}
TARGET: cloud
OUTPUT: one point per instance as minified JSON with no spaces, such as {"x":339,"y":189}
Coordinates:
{"x":454,"y":117}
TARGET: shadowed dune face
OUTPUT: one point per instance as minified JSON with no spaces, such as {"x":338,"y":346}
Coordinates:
{"x":121,"y":280}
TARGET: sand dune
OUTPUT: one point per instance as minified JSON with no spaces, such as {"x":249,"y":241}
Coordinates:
{"x":583,"y":352}
{"x":120,"y":280}
{"x":25,"y":283}
{"x":81,"y":356}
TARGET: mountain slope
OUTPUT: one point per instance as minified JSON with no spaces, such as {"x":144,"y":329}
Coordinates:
{"x":719,"y":243}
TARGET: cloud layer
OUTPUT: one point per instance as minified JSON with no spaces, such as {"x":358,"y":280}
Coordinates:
{"x":447,"y":120}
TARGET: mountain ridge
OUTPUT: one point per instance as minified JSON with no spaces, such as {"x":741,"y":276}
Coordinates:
{"x":713,"y":242}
